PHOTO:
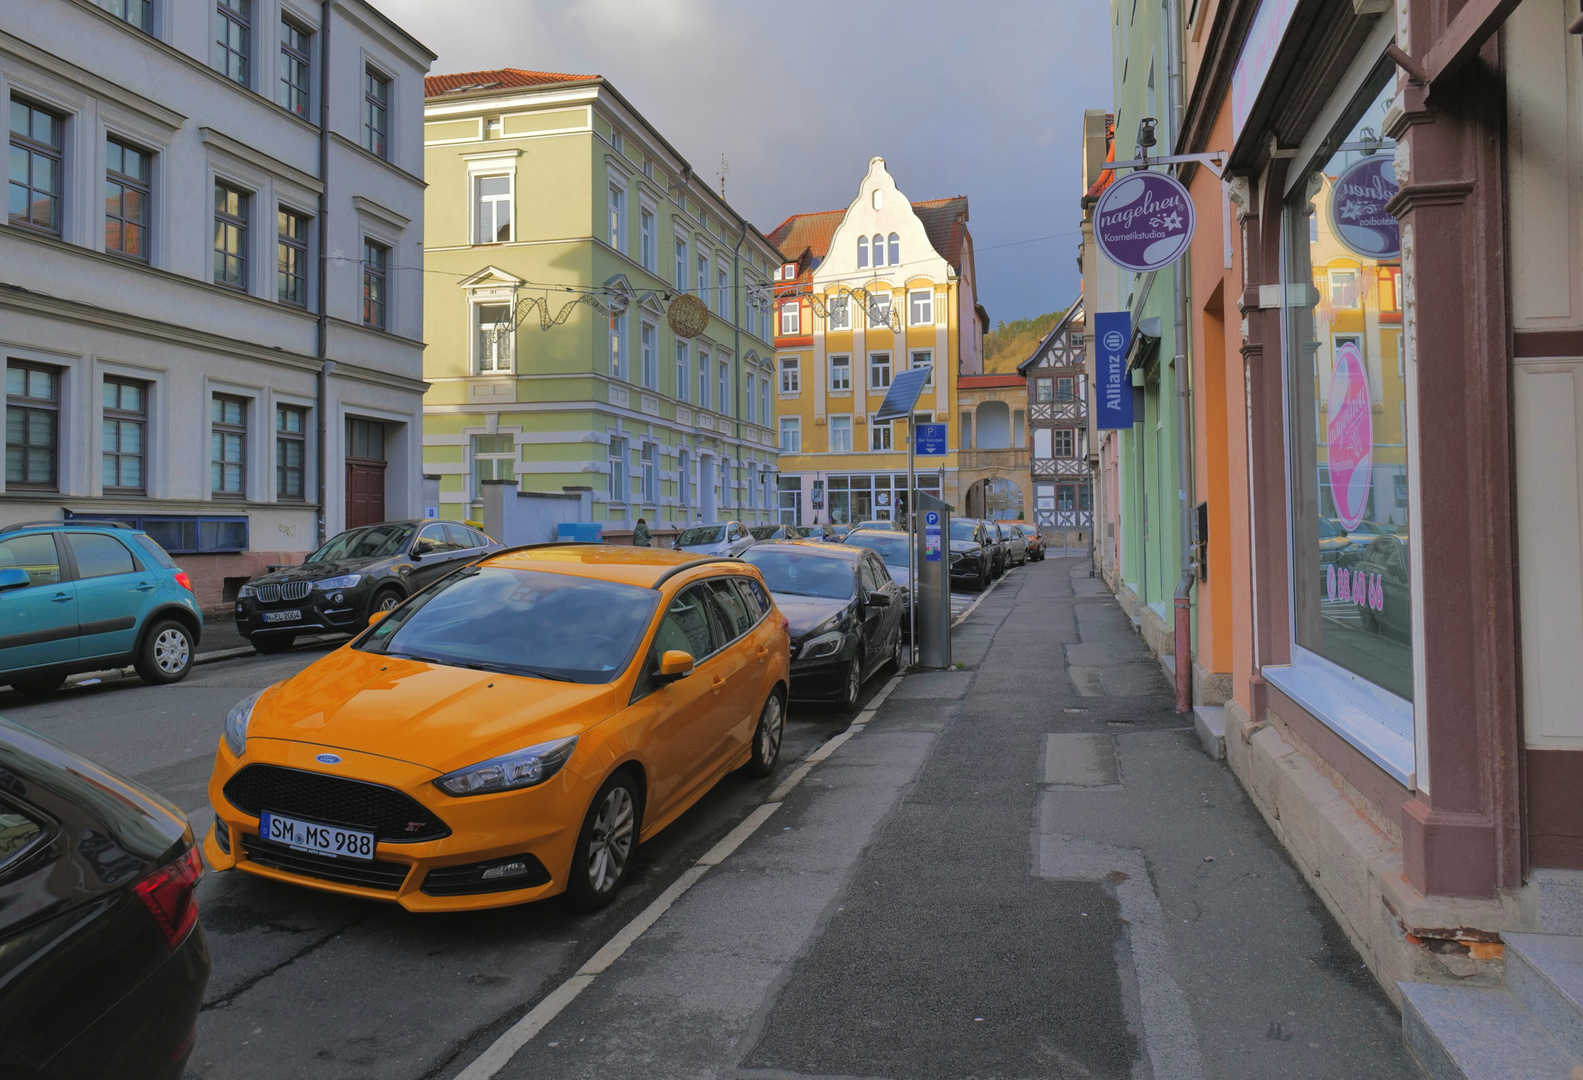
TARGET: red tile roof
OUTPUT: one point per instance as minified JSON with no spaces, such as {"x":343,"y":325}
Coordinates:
{"x":435,"y":85}
{"x":810,"y":234}
{"x":990,"y":381}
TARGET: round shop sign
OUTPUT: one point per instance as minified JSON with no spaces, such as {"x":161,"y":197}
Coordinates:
{"x":1349,"y":436}
{"x":1357,"y":209}
{"x":1144,"y":221}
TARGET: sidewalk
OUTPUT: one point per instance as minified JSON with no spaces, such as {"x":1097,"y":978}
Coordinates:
{"x":1024,"y":869}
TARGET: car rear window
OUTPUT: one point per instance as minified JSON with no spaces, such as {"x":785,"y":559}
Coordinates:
{"x":890,"y":547}
{"x":803,"y":573}
{"x":710,"y":534}
{"x":521,"y":622}
{"x":152,"y":549}
{"x":99,"y":555}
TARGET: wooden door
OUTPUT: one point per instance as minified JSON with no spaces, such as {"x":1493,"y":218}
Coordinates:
{"x":365,"y":493}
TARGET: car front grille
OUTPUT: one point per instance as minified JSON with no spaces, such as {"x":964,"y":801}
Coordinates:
{"x":469,"y":879}
{"x":291,"y":590}
{"x":393,"y":817}
{"x":385,"y":876}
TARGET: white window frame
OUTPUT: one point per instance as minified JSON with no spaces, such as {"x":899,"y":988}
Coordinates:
{"x":648,"y":228}
{"x":684,"y":370}
{"x":648,"y":354}
{"x":877,"y":370}
{"x":880,"y":303}
{"x":616,"y":212}
{"x":920,"y":307}
{"x":881,"y":435}
{"x":651,"y":472}
{"x":618,"y":462}
{"x":790,"y":426}
{"x":510,"y":201}
{"x":724,"y":387}
{"x":791,"y":318}
{"x":750,"y":396}
{"x":790,"y":376}
{"x":492,"y":364}
{"x":706,"y":373}
{"x":703,"y":278}
{"x":764,"y":400}
{"x":839,"y":425}
{"x":618,"y":349}
{"x":844,"y":385}
{"x":928,"y":355}
{"x":492,"y":455}
{"x":839,"y":309}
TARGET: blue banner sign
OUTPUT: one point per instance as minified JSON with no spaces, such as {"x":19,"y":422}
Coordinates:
{"x":930,"y":439}
{"x":1112,"y":387}
{"x":931,"y":534}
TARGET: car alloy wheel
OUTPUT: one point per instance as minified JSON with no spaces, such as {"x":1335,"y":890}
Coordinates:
{"x":387,"y":602}
{"x":854,"y":684}
{"x":767,"y":736}
{"x":610,"y":844}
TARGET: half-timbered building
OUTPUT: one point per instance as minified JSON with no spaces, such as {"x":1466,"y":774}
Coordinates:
{"x":1058,"y":437}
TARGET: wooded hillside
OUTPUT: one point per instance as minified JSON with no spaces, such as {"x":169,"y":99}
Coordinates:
{"x":1010,"y":343}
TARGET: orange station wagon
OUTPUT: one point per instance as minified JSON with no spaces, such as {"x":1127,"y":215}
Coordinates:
{"x":509,"y":733}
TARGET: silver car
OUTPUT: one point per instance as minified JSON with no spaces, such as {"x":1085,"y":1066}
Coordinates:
{"x":720,"y":538}
{"x":1017,"y":551}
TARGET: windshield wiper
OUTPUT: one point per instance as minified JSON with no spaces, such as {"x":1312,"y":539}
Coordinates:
{"x":473,"y":665}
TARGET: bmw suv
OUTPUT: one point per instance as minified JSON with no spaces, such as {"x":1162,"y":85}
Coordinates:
{"x":81,"y":596}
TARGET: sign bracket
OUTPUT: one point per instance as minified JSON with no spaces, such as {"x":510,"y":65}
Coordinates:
{"x":1215,"y":162}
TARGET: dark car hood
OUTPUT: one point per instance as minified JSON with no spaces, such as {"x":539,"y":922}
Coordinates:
{"x":317,"y":571}
{"x":806,"y":612}
{"x":964,"y":545}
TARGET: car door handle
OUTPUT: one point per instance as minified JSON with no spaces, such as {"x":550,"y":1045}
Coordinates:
{"x":60,"y":598}
{"x":764,"y":650}
{"x":719,"y":684}
{"x":144,"y":586}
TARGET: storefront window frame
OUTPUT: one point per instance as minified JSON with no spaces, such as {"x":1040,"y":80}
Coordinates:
{"x":1373,"y":720}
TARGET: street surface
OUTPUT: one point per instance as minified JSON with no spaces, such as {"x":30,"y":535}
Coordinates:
{"x":1022,"y":868}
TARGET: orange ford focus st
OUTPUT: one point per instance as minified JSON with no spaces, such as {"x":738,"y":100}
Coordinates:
{"x":509,"y":733}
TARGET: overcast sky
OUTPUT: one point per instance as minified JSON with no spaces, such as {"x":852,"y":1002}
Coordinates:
{"x":983,"y":99}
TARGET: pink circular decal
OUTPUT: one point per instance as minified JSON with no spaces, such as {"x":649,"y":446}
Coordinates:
{"x":1349,"y":436}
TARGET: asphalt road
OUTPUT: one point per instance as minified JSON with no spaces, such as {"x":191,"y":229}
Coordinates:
{"x":310,"y":984}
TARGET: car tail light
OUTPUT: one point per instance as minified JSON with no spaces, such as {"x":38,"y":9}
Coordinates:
{"x":184,"y":581}
{"x":168,"y":893}
{"x":785,"y":624}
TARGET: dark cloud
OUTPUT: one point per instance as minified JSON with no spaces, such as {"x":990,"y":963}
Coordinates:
{"x":982,"y":99}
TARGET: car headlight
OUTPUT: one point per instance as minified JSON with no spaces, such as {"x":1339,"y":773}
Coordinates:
{"x":824,"y":645}
{"x":345,"y":581}
{"x":236,"y":722}
{"x":247,"y":591}
{"x":518,"y":769}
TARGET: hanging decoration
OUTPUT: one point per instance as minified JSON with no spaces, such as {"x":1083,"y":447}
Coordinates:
{"x":687,"y":315}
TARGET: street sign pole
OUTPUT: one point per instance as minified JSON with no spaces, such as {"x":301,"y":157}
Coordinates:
{"x":912,"y":542}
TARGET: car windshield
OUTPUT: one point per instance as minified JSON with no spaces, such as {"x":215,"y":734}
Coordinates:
{"x":803,"y":573}
{"x":704,"y":534}
{"x":892,"y":548}
{"x":765,"y":532}
{"x":1327,"y":529}
{"x":371,"y":542}
{"x":521,"y":622}
{"x":963,"y":530}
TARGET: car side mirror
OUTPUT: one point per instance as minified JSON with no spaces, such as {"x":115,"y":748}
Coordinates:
{"x":879,"y":599}
{"x":14,"y":577}
{"x":675,"y":664}
{"x":375,"y":616}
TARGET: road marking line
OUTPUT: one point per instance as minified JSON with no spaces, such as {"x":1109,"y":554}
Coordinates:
{"x":518,"y":1035}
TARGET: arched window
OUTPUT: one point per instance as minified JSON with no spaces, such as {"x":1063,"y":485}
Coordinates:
{"x":879,"y":250}
{"x":895,"y":250}
{"x":994,"y":426}
{"x":862,"y":252}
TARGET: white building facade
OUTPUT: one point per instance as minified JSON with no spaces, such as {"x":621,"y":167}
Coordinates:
{"x":211,"y":305}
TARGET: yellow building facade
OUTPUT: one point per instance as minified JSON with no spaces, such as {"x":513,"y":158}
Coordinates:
{"x":885,"y":286}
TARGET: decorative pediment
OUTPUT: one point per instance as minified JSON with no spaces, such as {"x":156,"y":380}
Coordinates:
{"x":491,"y":277}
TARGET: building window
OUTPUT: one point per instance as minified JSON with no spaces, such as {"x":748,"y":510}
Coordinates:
{"x":879,"y":250}
{"x":494,"y":458}
{"x":703,"y":279}
{"x":920,"y":307}
{"x":126,"y":200}
{"x":291,"y":271}
{"x":879,"y":371}
{"x":140,"y":13}
{"x":725,"y":388}
{"x":1043,"y":391}
{"x":125,"y":417}
{"x":1344,"y":288}
{"x":1041,"y":443}
{"x":840,"y":311}
{"x":924,"y":358}
{"x":1065,"y":442}
{"x":965,"y":430}
{"x":880,"y":434}
{"x":681,"y":264}
{"x":750,"y":397}
{"x":376,"y":267}
{"x":32,"y":426}
{"x":294,"y":68}
{"x":646,"y":239}
{"x":492,"y":209}
{"x":227,"y":446}
{"x":895,"y":250}
{"x":879,"y":310}
{"x":618,"y":338}
{"x":791,"y":434}
{"x":230,"y":236}
{"x":723,"y":293}
{"x":618,"y":470}
{"x":233,"y":33}
{"x":616,"y":211}
{"x":1064,"y":389}
{"x":291,"y":456}
{"x":840,"y":434}
{"x":684,"y":479}
{"x":651,"y":473}
{"x":790,"y":318}
{"x":841,"y":373}
{"x":494,"y":339}
{"x":862,"y":253}
{"x":376,"y":113}
{"x":703,"y":379}
{"x":684,"y":366}
{"x":33,"y":194}
{"x":649,"y":356}
{"x":365,"y":439}
{"x":764,"y":398}
{"x":791,"y":375}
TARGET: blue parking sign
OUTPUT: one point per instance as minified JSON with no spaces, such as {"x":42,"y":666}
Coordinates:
{"x":931,"y":532}
{"x":929,"y":439}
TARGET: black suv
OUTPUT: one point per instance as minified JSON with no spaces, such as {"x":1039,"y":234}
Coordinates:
{"x":373,"y":568}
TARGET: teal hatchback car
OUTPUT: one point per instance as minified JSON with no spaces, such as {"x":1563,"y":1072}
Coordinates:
{"x":87,"y":595}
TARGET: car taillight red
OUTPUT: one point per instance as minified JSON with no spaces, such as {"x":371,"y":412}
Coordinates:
{"x":168,"y":893}
{"x":184,"y":581}
{"x":785,"y":624}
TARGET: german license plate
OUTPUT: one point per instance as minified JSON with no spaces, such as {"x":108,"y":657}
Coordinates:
{"x":293,"y":615}
{"x":319,"y":839}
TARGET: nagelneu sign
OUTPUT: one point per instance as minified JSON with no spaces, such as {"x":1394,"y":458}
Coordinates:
{"x":1113,"y":390}
{"x":1357,"y":208}
{"x":1144,"y":221}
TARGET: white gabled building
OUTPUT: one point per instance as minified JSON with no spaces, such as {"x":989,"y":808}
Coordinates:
{"x":211,"y":298}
